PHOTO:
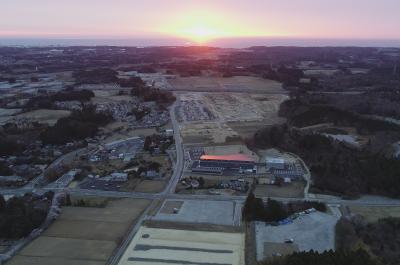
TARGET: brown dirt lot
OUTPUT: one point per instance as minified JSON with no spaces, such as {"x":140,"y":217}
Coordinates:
{"x":86,"y":230}
{"x":151,"y":186}
{"x":69,"y":248}
{"x":247,"y":129}
{"x":232,"y":84}
{"x":293,"y":190}
{"x":83,"y":235}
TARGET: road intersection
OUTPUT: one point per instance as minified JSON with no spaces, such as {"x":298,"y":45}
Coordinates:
{"x":169,"y":193}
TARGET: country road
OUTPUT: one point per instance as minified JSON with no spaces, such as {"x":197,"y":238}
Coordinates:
{"x":169,"y":192}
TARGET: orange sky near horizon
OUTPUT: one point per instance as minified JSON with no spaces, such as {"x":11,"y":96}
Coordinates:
{"x":201,"y":21}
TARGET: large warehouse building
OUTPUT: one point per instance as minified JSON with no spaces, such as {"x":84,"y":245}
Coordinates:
{"x":220,"y":163}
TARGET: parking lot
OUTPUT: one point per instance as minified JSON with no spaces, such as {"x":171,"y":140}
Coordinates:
{"x":207,"y":212}
{"x":190,"y":110}
{"x":98,"y":184}
{"x":314,"y":231}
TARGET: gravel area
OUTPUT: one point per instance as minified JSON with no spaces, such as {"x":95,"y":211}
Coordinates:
{"x":207,"y":212}
{"x":315,"y":231}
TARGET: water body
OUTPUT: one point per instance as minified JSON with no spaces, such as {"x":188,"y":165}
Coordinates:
{"x":223,"y":43}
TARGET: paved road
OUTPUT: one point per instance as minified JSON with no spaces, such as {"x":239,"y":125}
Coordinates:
{"x":168,"y":193}
{"x":71,"y":155}
{"x":178,"y":169}
{"x":170,"y":188}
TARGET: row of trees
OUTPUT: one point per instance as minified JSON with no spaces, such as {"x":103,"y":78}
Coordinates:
{"x":273,"y":211}
{"x":78,"y":126}
{"x":47,"y":102}
{"x":9,"y":146}
{"x":334,"y":166}
{"x":380,"y":237}
{"x":20,"y":215}
{"x":359,"y":257}
{"x":95,"y":76}
{"x":300,"y":114}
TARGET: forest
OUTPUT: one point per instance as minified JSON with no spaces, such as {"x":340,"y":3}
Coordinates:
{"x":78,"y":126}
{"x":381,"y":238}
{"x":335,"y":167}
{"x":20,"y":215}
{"x":359,"y":257}
{"x":273,"y":211}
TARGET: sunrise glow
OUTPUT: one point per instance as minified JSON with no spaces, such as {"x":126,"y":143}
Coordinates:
{"x":202,"y":26}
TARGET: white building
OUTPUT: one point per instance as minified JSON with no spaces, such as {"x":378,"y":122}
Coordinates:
{"x":169,"y":132}
{"x":275,"y":163}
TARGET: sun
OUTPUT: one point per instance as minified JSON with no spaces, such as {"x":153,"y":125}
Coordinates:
{"x":201,"y":34}
{"x":203,"y":26}
{"x":199,"y":27}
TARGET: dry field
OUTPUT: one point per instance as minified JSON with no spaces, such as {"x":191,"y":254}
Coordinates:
{"x":292,"y":190}
{"x":206,"y":132}
{"x":374,"y":213}
{"x":44,"y":115}
{"x":120,"y":130}
{"x":83,"y":235}
{"x":151,"y":186}
{"x":173,"y":246}
{"x":237,"y":115}
{"x":232,"y":107}
{"x":231,"y":84}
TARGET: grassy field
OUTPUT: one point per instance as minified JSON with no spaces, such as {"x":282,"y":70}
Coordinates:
{"x":44,"y":115}
{"x":231,"y":84}
{"x":206,"y":132}
{"x":151,"y":186}
{"x":292,"y":190}
{"x":83,"y":235}
{"x":374,"y":213}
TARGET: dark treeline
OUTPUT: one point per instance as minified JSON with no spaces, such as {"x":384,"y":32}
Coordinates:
{"x":5,"y":170}
{"x":154,"y":94}
{"x":380,"y":101}
{"x":302,"y":114}
{"x":20,"y":215}
{"x":9,"y":146}
{"x":146,"y":93}
{"x":273,"y":211}
{"x":47,"y":102}
{"x":359,"y":257}
{"x":334,"y":166}
{"x":157,"y":141}
{"x":380,"y":237}
{"x":78,"y":126}
{"x":96,"y":76}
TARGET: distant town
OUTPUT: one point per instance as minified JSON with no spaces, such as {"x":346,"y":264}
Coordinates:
{"x":199,"y":155}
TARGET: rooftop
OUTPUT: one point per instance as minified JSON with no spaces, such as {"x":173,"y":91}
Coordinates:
{"x":275,"y":160}
{"x":234,"y":157}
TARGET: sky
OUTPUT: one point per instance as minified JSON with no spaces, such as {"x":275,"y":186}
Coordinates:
{"x":200,"y":21}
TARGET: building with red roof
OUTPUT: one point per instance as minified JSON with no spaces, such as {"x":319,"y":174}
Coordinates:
{"x":220,"y":163}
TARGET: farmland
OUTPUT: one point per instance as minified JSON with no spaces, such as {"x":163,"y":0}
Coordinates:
{"x":83,"y":235}
{"x":231,"y":84}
